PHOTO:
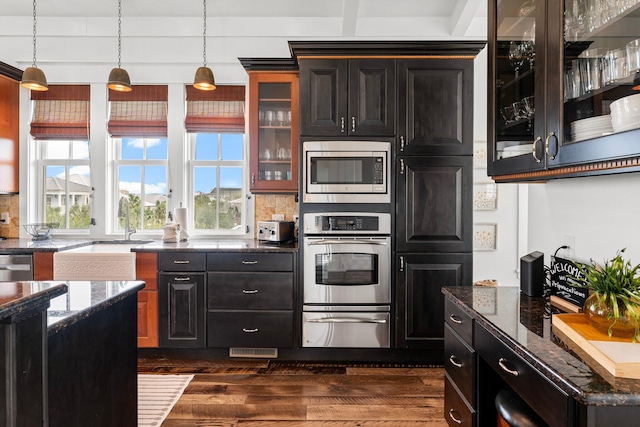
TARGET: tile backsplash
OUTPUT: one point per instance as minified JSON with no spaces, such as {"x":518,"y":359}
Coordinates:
{"x":269,"y":204}
{"x":10,"y":203}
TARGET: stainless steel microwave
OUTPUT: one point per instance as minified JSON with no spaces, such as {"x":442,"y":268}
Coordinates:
{"x":346,"y":172}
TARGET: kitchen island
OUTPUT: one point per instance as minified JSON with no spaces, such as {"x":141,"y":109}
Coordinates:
{"x":92,"y":345}
{"x":498,"y":338}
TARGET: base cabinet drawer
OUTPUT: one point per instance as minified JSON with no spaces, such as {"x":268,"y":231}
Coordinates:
{"x":249,"y":291}
{"x":246,"y":328}
{"x":457,"y":411}
{"x":181,"y":261}
{"x":548,"y":401}
{"x":249,"y":261}
{"x":460,"y":363}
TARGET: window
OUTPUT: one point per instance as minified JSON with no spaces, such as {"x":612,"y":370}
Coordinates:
{"x":66,"y":190}
{"x":217,"y":170}
{"x":141,"y":178}
{"x":60,"y":130}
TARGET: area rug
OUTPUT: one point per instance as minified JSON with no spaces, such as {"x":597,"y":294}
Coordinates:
{"x":156,"y":396}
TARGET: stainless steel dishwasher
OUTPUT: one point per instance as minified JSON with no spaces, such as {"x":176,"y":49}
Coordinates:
{"x":16,"y":268}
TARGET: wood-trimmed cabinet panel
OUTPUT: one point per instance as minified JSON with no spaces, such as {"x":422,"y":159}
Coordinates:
{"x":147,"y":271}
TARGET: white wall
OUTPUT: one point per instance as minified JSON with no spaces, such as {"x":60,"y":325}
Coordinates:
{"x":501,"y":264}
{"x":603,"y":213}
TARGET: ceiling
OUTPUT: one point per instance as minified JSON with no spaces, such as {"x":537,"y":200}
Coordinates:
{"x":162,"y":40}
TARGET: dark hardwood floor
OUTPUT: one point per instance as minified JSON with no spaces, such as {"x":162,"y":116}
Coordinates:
{"x":251,"y":393}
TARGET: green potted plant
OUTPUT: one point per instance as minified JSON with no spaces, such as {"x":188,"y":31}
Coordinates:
{"x":613,"y":306}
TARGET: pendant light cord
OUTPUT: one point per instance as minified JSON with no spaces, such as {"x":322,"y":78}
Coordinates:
{"x":34,"y":33}
{"x":204,"y":33}
{"x":119,"y":30}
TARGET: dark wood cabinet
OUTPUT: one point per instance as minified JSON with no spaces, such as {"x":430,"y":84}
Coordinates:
{"x":250,"y":300}
{"x":181,"y":294}
{"x":434,"y":210}
{"x":9,"y":128}
{"x":420,"y":303}
{"x":354,"y":97}
{"x":435,"y":106}
{"x":566,"y":131}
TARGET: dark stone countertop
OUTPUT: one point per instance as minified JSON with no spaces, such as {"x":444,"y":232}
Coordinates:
{"x":216,"y":245}
{"x":83,"y":298}
{"x":21,"y":297}
{"x":27,"y":246}
{"x":523,"y":323}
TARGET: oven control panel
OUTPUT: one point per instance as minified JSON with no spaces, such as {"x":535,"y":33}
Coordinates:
{"x":343,"y":223}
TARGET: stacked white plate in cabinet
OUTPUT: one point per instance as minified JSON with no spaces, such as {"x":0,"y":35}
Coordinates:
{"x":516,"y":150}
{"x":625,"y":113}
{"x":592,"y":127}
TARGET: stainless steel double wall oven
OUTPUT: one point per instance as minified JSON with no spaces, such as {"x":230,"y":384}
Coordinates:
{"x":346,"y":245}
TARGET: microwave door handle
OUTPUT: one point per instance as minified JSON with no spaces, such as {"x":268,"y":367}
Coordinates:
{"x":345,"y":320}
{"x":346,"y":242}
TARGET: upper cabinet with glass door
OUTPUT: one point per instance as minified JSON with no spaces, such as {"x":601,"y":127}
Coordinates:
{"x":584,"y":66}
{"x":273,"y":130}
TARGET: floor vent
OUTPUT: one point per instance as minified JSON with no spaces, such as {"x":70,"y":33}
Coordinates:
{"x":267,"y":353}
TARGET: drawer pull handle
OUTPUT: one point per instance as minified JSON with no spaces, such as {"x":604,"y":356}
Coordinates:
{"x":181,"y":279}
{"x":454,"y":361}
{"x":455,"y":319}
{"x":249,"y":291}
{"x":249,"y":262}
{"x":250,"y":331}
{"x":504,"y":367}
{"x":178,"y":261}
{"x":453,"y":417}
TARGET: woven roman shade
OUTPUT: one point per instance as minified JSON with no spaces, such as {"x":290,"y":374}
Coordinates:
{"x":217,"y":111}
{"x":62,"y":112}
{"x":139,"y":113}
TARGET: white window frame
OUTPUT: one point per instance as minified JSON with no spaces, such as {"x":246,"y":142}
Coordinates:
{"x":245,"y":230}
{"x":41,"y":190}
{"x":117,"y":161}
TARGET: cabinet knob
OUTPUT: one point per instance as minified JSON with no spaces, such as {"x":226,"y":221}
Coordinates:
{"x":353,"y":124}
{"x":546,"y":145}
{"x":535,"y":144}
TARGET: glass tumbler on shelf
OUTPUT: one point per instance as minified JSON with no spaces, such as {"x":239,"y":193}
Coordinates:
{"x":590,"y":66}
{"x":633,"y":56}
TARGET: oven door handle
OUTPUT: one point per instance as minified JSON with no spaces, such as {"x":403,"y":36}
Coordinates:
{"x":346,"y":242}
{"x":345,"y":320}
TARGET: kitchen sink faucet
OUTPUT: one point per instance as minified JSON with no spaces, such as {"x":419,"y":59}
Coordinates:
{"x":128,"y":230}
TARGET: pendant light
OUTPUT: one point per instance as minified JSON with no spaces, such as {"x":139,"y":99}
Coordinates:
{"x":33,"y":77}
{"x":119,"y":78}
{"x":204,"y":76}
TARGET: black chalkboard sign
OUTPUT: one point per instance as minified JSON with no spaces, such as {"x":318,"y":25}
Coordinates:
{"x":561,"y":287}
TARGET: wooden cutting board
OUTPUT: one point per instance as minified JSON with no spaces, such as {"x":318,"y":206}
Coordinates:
{"x":618,"y":356}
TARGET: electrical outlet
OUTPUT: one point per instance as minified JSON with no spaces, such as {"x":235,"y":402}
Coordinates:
{"x":570,"y":241}
{"x":277,"y":217}
{"x":295,"y":218}
{"x":4,"y":218}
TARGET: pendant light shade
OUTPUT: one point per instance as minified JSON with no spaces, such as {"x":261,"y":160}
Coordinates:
{"x":204,"y":76}
{"x":204,"y":79}
{"x":118,"y":77}
{"x":33,"y":78}
{"x":119,"y":80}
